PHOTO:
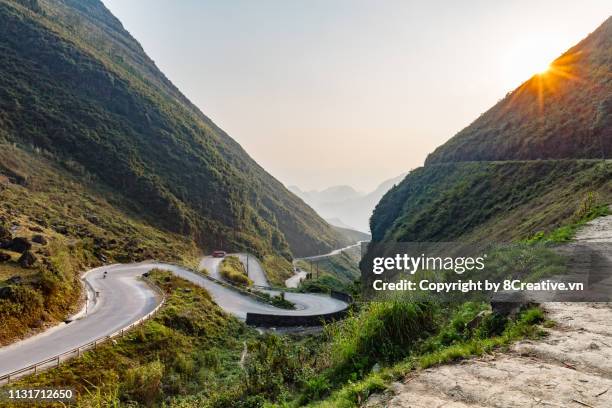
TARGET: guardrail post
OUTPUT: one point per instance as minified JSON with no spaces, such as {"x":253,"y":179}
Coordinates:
{"x":8,"y":379}
{"x":35,"y":367}
{"x":58,"y":361}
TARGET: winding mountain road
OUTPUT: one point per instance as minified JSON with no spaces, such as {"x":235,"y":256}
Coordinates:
{"x":300,"y":274}
{"x":124,"y":298}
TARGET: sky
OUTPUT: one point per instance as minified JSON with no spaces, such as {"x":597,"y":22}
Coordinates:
{"x":330,"y":92}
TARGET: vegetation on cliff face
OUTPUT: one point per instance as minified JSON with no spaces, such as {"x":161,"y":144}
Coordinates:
{"x":76,"y":86}
{"x":521,"y":168}
{"x":489,"y":201}
{"x":563,"y":113}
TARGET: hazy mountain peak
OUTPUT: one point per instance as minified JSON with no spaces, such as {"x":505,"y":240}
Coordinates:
{"x":343,"y":206}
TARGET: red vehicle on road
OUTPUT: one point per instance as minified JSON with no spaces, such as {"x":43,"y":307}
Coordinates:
{"x":219,"y":254}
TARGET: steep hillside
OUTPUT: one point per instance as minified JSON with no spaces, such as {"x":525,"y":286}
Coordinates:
{"x":528,"y":165}
{"x":77,"y":87}
{"x":65,"y":222}
{"x":353,"y":235}
{"x":489,"y":201}
{"x":563,"y":113}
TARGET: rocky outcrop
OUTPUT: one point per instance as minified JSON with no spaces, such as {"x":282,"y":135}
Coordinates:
{"x":39,"y":239}
{"x":19,"y":244}
{"x":27,"y":259}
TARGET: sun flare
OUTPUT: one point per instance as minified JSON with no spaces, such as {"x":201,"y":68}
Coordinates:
{"x":543,"y":69}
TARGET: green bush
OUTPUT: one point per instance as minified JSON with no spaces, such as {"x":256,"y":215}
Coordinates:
{"x":142,"y":383}
{"x":316,"y":388}
{"x":270,"y":367}
{"x":233,"y":271}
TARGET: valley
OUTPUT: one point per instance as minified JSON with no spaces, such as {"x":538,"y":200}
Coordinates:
{"x":114,"y":185}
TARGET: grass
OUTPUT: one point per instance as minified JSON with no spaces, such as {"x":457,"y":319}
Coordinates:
{"x":589,"y":209}
{"x":437,"y":350}
{"x":276,"y":300}
{"x":84,"y":228}
{"x":233,"y":271}
{"x":337,"y":273}
{"x":191,"y":345}
{"x":278,"y":269}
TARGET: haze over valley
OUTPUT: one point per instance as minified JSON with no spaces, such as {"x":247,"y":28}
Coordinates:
{"x":345,"y":207}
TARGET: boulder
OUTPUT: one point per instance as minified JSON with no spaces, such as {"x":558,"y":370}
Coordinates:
{"x":27,"y":259}
{"x":39,"y":239}
{"x":19,"y":244}
{"x":4,"y":257}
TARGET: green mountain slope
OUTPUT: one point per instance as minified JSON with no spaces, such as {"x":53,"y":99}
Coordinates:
{"x":489,"y":201}
{"x":76,"y":86}
{"x":523,"y":167}
{"x":563,"y":113}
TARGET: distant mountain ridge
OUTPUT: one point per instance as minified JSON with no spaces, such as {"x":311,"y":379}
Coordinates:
{"x":345,"y":207}
{"x":75,"y":85}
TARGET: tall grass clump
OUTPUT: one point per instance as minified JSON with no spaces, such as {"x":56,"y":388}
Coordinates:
{"x":233,"y":271}
{"x":382,"y":332}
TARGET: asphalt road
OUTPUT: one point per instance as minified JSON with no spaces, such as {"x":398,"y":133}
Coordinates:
{"x":255,"y":271}
{"x":233,"y":302}
{"x":294,"y":281}
{"x":124,"y":298}
{"x":332,"y":253}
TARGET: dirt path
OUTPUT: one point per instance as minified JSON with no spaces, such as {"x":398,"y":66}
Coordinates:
{"x":571,"y":367}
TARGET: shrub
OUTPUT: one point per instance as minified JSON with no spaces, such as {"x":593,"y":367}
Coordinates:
{"x":142,"y":383}
{"x":270,"y":366}
{"x":233,"y":271}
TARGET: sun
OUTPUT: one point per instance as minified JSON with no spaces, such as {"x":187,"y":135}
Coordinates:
{"x":530,"y":55}
{"x":544,"y":69}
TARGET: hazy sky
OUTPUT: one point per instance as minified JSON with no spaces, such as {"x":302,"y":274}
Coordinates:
{"x":326,"y":92}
